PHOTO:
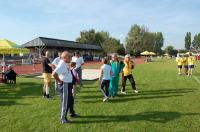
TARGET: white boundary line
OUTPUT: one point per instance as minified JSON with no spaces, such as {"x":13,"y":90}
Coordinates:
{"x":196,"y":78}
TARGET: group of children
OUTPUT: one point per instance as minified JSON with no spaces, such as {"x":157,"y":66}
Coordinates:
{"x":66,"y":77}
{"x":110,"y":74}
{"x":187,"y":61}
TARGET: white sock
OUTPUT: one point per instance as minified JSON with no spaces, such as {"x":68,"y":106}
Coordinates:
{"x":47,"y":90}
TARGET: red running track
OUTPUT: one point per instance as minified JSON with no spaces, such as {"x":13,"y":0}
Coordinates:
{"x":30,"y":69}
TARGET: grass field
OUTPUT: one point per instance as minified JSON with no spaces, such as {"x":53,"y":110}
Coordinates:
{"x":166,"y":102}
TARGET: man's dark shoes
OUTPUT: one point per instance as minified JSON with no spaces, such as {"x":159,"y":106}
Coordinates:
{"x":75,"y":115}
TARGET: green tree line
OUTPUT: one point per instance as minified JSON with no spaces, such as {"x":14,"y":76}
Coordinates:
{"x":138,"y":39}
{"x":192,"y":44}
{"x":109,"y":44}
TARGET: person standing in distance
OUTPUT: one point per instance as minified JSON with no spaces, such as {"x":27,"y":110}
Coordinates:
{"x":191,"y":64}
{"x":55,"y":64}
{"x":105,"y":76}
{"x":63,"y":76}
{"x":127,"y":74}
{"x":47,"y":70}
{"x":114,"y":81}
{"x":79,"y":63}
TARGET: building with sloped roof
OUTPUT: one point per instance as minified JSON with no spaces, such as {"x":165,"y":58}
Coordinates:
{"x":42,"y":44}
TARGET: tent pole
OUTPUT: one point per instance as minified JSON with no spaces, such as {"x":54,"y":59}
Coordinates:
{"x":3,"y":63}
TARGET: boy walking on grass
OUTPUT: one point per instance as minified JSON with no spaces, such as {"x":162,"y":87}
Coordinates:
{"x":105,"y":76}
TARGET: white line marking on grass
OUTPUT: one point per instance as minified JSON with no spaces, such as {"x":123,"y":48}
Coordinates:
{"x":196,"y":78}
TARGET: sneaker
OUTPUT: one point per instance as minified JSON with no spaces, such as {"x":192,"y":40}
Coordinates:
{"x":75,"y":115}
{"x":105,"y":99}
{"x":63,"y":121}
{"x":44,"y":95}
{"x":123,"y":92}
{"x":135,"y":91}
{"x":49,"y":97}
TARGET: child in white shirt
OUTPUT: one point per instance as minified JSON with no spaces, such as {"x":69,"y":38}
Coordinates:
{"x":105,"y":75}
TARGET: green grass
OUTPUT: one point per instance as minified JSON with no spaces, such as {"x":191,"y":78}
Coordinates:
{"x":166,"y":102}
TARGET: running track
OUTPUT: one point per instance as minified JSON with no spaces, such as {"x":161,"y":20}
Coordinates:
{"x":29,"y":69}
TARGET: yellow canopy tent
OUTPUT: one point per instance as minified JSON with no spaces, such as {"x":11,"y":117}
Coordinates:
{"x":145,"y":53}
{"x":166,"y":54}
{"x":152,"y":53}
{"x":8,"y":47}
{"x":189,"y":53}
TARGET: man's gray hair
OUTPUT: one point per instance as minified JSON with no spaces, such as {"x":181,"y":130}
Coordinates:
{"x":115,"y":54}
{"x":10,"y":66}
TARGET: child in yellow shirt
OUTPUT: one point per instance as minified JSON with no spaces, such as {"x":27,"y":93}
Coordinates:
{"x":127,"y":74}
{"x":179,"y":61}
{"x":185,"y":63}
{"x":191,"y":62}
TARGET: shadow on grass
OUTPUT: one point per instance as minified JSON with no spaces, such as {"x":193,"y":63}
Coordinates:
{"x":134,"y":98}
{"x":90,"y":91}
{"x":91,"y":96}
{"x":166,"y":91}
{"x":154,"y":116}
{"x":154,"y":94}
{"x":9,"y":94}
{"x":10,"y":103}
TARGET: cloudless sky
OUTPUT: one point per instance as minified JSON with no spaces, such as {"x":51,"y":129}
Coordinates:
{"x":24,"y":20}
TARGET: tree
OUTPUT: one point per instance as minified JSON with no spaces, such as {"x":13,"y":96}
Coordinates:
{"x":148,"y":41}
{"x":88,"y":37}
{"x":196,"y":42}
{"x":182,"y":50}
{"x":159,"y":42}
{"x":121,"y":50}
{"x":102,"y":38}
{"x":170,"y":50}
{"x":111,"y":45}
{"x":134,"y":40}
{"x":140,"y":39}
{"x":188,"y":41}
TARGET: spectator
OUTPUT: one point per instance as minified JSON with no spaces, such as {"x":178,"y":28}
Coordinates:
{"x":10,"y":75}
{"x":79,"y":63}
{"x":55,"y":64}
{"x":63,"y":76}
{"x":47,"y":70}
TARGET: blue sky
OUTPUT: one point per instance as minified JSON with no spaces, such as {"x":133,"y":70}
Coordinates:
{"x":24,"y":20}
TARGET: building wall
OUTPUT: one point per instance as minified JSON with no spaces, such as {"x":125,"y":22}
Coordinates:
{"x":54,"y":51}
